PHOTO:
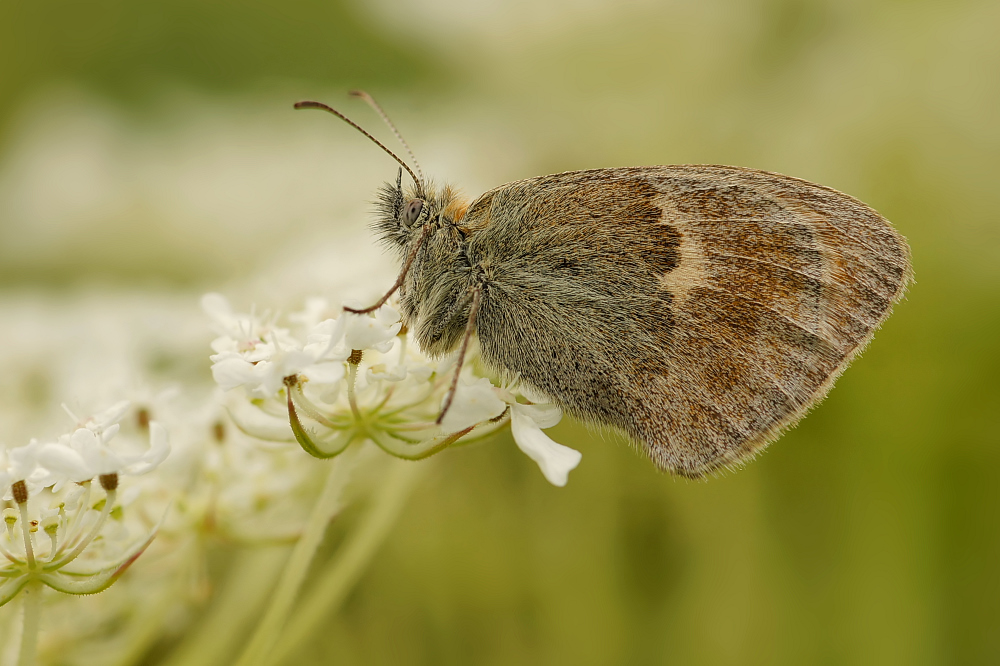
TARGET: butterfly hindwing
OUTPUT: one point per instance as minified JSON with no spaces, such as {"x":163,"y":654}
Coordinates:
{"x":701,"y":309}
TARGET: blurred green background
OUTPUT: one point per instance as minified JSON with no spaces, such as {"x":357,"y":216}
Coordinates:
{"x":151,"y":145}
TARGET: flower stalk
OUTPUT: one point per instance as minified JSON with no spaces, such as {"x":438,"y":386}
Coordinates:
{"x":27,"y":654}
{"x":346,"y":567}
{"x":327,"y":506}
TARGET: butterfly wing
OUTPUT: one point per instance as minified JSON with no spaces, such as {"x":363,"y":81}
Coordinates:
{"x":701,"y":309}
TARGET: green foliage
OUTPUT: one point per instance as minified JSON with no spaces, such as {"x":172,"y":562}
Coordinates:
{"x":129,"y":50}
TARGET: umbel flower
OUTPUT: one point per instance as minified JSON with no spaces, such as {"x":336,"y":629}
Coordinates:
{"x":328,"y":383}
{"x":54,"y":516}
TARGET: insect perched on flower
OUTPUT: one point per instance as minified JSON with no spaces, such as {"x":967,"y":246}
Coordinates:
{"x":699,"y":309}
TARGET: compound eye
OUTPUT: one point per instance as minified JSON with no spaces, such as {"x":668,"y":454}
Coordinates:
{"x":412,"y":212}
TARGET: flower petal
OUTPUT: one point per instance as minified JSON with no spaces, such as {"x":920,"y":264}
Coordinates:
{"x":22,"y":461}
{"x":555,"y":460}
{"x":159,"y":449}
{"x":233,"y":371}
{"x":474,"y":403}
{"x":544,"y":415}
{"x":325,"y":373}
{"x":387,"y":315}
{"x":364,"y":332}
{"x":84,"y":440}
{"x":63,"y":461}
{"x":109,"y":416}
{"x":381,"y":372}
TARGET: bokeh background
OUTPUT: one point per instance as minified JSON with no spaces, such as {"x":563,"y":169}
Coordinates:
{"x":148,"y":153}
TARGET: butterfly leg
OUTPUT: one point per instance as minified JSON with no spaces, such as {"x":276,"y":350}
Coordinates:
{"x":399,"y":280}
{"x":477,"y":296}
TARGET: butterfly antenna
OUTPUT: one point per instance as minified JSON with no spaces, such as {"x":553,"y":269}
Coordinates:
{"x":477,"y":297}
{"x":319,"y":105}
{"x":385,"y":118}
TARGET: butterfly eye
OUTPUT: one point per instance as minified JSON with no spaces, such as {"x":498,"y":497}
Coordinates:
{"x":412,"y":212}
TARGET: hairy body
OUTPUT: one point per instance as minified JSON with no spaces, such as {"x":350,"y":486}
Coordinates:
{"x":699,"y":309}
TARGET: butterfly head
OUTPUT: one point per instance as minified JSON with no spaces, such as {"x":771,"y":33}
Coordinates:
{"x":401,"y":213}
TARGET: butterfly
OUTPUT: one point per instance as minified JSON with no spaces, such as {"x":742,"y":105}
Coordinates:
{"x":699,"y":309}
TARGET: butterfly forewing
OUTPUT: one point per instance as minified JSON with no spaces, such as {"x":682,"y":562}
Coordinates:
{"x":701,"y":309}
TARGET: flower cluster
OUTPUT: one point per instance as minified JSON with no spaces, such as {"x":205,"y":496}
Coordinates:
{"x":340,"y":378}
{"x":49,"y":488}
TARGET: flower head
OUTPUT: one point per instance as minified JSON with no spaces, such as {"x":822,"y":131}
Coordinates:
{"x":392,"y":393}
{"x":59,"y":476}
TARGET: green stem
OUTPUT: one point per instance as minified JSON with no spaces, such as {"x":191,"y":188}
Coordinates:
{"x":29,"y":632}
{"x":298,"y":396}
{"x":352,"y":378}
{"x":340,"y":576}
{"x":76,"y":525}
{"x":217,"y":635}
{"x":109,"y":501}
{"x":418,"y":451}
{"x":270,"y":627}
{"x":29,"y":552}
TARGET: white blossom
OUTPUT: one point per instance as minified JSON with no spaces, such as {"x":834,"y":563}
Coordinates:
{"x":244,"y":358}
{"x":86,"y":452}
{"x":57,"y":521}
{"x":555,"y":460}
{"x":394,"y":394}
{"x":474,"y":402}
{"x":378,"y":332}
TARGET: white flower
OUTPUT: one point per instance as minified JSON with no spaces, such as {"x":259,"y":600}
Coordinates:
{"x":474,"y":403}
{"x":261,"y":365}
{"x":378,"y":332}
{"x":555,"y":460}
{"x":109,"y":418}
{"x":232,"y":369}
{"x":380,"y":372}
{"x":393,"y":395}
{"x":22,"y":461}
{"x":21,"y":464}
{"x":85,"y":453}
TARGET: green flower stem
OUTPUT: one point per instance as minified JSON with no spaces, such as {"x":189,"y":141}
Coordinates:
{"x":9,"y":555}
{"x":272,"y":625}
{"x":298,"y":396}
{"x":349,"y":563}
{"x":422,"y":426}
{"x":75,"y":527}
{"x":29,"y":552}
{"x":352,"y":378}
{"x":216,"y":636}
{"x":424,"y":449}
{"x":338,"y":442}
{"x":29,"y":632}
{"x":109,"y":502}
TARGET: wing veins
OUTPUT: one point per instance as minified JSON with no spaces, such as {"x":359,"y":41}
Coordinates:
{"x":765,"y":262}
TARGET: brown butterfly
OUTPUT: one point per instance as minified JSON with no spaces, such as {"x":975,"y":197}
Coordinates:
{"x":700,"y":309}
